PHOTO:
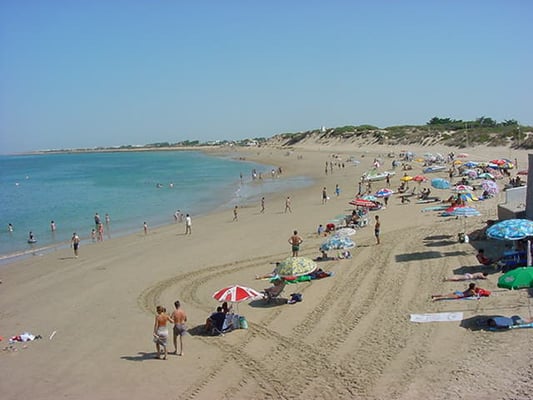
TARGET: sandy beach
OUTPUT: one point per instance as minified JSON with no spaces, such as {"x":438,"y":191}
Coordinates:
{"x":350,"y":337}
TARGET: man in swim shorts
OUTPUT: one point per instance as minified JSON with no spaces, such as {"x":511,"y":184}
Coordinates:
{"x":179,"y":317}
{"x":295,"y":242}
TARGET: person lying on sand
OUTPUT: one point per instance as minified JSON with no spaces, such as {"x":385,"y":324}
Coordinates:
{"x":471,"y":291}
{"x":466,"y":277}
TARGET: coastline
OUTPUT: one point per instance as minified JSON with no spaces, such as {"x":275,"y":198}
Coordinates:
{"x":351,"y":334}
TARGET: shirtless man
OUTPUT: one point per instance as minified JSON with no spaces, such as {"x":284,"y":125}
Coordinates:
{"x":179,"y":317}
{"x":295,"y":242}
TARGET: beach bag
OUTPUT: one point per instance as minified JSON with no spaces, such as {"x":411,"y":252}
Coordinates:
{"x":243,"y":323}
{"x":295,"y":298}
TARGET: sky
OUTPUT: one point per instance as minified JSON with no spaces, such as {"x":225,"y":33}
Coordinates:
{"x":90,"y":73}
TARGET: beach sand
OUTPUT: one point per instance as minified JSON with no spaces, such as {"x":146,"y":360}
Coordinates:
{"x":350,"y":337}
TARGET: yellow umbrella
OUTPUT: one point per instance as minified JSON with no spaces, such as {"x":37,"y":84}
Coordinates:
{"x":406,"y":178}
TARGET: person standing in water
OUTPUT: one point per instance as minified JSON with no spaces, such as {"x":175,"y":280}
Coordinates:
{"x":75,"y":243}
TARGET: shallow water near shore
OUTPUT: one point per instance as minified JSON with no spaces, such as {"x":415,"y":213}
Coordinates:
{"x":132,"y":187}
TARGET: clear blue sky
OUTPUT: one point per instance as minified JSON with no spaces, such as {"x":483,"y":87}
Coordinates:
{"x":85,"y":73}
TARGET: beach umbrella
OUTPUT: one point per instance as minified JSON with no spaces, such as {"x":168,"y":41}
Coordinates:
{"x":385,"y":192}
{"x":462,"y":189}
{"x":470,"y":164}
{"x":470,"y":173}
{"x":362,"y":203}
{"x":490,"y":187}
{"x":497,"y":161}
{"x":518,"y":278}
{"x":236,"y":294}
{"x":406,"y":178}
{"x":295,"y":266}
{"x":369,"y":197}
{"x":346,"y":232}
{"x":440,"y":183}
{"x":463,"y":155}
{"x":511,"y":229}
{"x":420,"y":178}
{"x":337,"y":242}
{"x":485,"y":175}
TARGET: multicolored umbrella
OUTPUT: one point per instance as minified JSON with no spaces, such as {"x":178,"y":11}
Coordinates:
{"x":362,"y":203}
{"x":518,"y":278}
{"x":337,"y":242}
{"x":236,"y":294}
{"x":385,"y":192}
{"x":462,"y":189}
{"x":511,"y":229}
{"x":490,"y":187}
{"x":440,"y":183}
{"x":295,"y":266}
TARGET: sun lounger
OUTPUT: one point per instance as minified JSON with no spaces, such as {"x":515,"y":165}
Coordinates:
{"x":273,"y":292}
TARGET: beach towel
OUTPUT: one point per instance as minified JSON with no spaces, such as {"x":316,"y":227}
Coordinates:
{"x":437,"y":317}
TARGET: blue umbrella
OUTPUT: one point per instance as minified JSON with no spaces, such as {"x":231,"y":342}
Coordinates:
{"x":470,"y":164}
{"x":385,"y":192}
{"x":440,"y":183}
{"x":511,"y":229}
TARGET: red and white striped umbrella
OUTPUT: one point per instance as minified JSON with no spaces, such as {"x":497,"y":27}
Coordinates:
{"x":236,"y":294}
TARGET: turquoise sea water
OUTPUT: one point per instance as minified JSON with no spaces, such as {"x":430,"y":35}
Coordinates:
{"x":132,"y":187}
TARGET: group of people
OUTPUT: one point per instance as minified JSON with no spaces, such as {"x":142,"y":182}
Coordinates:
{"x":216,"y":320}
{"x":178,"y":318}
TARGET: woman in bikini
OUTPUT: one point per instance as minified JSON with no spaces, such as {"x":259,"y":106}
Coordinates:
{"x":161,"y":331}
{"x":471,"y":291}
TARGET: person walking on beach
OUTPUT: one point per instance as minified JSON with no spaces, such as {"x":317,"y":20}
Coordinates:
{"x":377,"y":228}
{"x":262,"y":205}
{"x":337,"y":190}
{"x":75,"y":243}
{"x":324,"y":196}
{"x":145,"y":228}
{"x":188,"y":224}
{"x":295,"y":242}
{"x":235,"y":214}
{"x":288,"y":204}
{"x":161,"y":332}
{"x":179,"y":317}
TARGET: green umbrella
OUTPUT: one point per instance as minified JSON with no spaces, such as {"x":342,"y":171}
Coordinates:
{"x":517,"y":278}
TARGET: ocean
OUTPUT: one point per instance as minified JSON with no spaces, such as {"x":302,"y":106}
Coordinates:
{"x":131,"y":187}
